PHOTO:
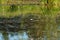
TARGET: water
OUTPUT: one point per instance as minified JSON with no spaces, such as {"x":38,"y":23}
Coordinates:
{"x":14,"y":36}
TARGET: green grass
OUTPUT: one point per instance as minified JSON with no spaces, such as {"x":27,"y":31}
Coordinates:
{"x":8,"y":12}
{"x":22,"y":9}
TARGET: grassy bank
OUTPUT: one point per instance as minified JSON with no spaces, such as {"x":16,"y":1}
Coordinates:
{"x":47,"y":13}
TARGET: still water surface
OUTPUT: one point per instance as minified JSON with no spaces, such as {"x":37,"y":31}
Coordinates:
{"x":15,"y":36}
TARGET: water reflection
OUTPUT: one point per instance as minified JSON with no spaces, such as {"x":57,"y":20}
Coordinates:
{"x":15,"y":36}
{"x":1,"y":36}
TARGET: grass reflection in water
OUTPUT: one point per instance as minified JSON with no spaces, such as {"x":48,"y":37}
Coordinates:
{"x":14,"y":36}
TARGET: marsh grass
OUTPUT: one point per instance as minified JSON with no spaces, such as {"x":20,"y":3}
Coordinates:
{"x":46,"y":15}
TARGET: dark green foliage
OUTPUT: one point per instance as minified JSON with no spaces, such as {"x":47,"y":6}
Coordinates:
{"x":35,"y":24}
{"x":10,"y":24}
{"x":13,"y":8}
{"x":30,"y":20}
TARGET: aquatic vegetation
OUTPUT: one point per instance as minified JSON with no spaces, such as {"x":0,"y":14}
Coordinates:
{"x":8,"y":24}
{"x":35,"y":25}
